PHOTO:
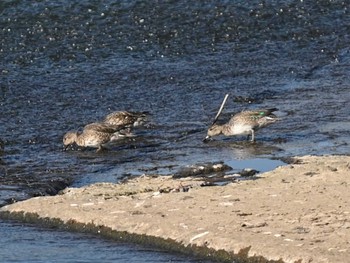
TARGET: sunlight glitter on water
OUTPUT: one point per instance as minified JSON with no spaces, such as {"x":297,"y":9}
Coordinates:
{"x":64,"y":64}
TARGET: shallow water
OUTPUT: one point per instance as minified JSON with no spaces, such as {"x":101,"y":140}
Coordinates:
{"x":27,"y":243}
{"x":259,"y":164}
{"x":65,"y":63}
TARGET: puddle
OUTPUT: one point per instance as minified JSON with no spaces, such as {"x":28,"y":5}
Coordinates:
{"x":260,"y":164}
{"x":242,"y":170}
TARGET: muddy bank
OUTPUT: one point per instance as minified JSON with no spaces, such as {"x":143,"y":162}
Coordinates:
{"x":295,"y":213}
{"x":19,"y":190}
{"x":19,"y":182}
{"x":14,"y":188}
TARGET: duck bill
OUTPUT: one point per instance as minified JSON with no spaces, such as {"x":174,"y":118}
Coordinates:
{"x":66,"y":147}
{"x":207,"y":139}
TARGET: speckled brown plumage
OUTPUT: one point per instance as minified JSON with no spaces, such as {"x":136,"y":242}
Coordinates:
{"x":96,"y":135}
{"x":126,"y":118}
{"x":244,"y":123}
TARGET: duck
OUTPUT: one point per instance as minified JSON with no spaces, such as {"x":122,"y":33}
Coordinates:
{"x":126,"y":118}
{"x":244,"y":123}
{"x":96,"y":135}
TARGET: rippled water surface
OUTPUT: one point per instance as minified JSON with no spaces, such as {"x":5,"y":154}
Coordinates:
{"x":65,"y":63}
{"x":25,"y":243}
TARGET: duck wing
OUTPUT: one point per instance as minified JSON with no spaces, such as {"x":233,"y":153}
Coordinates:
{"x":125,"y":118}
{"x":253,"y":117}
{"x":257,"y":114}
{"x":103,"y":127}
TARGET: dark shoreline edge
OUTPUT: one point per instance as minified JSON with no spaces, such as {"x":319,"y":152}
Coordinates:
{"x":157,"y":242}
{"x":26,"y":187}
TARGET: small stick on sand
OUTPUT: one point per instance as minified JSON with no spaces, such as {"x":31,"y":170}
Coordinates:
{"x":220,"y":110}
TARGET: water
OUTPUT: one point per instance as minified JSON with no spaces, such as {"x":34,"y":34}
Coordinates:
{"x":65,"y":63}
{"x":259,"y":164}
{"x":48,"y":245}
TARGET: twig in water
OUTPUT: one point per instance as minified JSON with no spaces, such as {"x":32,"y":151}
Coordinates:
{"x":220,"y":110}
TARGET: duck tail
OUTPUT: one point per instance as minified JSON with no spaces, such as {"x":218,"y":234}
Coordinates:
{"x":122,"y":133}
{"x":142,"y":118}
{"x":270,"y":110}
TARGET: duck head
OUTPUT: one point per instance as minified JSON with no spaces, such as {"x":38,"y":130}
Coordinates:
{"x":214,"y":130}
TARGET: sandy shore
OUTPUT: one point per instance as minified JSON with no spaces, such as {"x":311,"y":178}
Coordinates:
{"x":296,"y":213}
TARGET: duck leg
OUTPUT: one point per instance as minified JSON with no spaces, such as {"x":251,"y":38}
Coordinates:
{"x":253,"y":135}
{"x":100,"y":149}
